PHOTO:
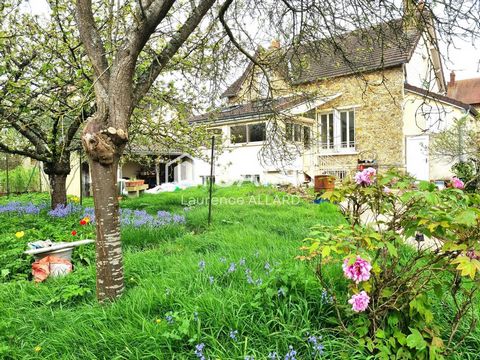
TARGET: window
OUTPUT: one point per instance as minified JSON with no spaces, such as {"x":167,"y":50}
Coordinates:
{"x":248,"y":133}
{"x":256,"y":132}
{"x":298,"y":133}
{"x":306,"y":137}
{"x":337,"y":130}
{"x":238,"y":134}
{"x":326,"y":131}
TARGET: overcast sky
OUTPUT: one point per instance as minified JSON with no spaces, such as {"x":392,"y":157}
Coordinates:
{"x":464,"y":59}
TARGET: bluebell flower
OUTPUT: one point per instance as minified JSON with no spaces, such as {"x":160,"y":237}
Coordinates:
{"x":169,"y":319}
{"x":267,"y":267}
{"x":272,"y":356}
{"x":211,"y":279}
{"x":232,"y":267}
{"x":291,"y":354}
{"x":317,"y":347}
{"x":241,"y":262}
{"x":258,"y":282}
{"x":201,"y":265}
{"x":233,"y":335}
{"x":199,"y":351}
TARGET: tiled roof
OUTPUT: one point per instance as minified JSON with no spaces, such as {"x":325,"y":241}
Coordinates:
{"x":378,"y":47}
{"x":254,"y":108}
{"x":467,"y":91}
{"x":443,"y":98}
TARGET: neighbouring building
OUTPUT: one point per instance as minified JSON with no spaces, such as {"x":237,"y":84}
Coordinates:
{"x":383,"y":103}
{"x":466,"y":91}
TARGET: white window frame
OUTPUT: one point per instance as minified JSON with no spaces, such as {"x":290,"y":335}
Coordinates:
{"x":337,"y":131}
{"x":247,"y":134}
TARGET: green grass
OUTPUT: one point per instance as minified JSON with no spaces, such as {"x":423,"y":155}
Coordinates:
{"x":163,"y":278}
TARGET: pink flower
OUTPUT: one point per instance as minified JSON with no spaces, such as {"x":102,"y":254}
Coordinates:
{"x":359,"y":301}
{"x":365,"y":177}
{"x":387,"y":190}
{"x":358,"y":271}
{"x":457,"y":183}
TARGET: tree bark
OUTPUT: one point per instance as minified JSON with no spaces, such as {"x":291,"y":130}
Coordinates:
{"x":58,"y":186}
{"x":57,"y":172}
{"x":108,"y":244}
{"x":104,"y":147}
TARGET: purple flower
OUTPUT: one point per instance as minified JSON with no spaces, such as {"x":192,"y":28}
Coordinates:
{"x":169,"y":319}
{"x":358,"y":271}
{"x":272,"y":356}
{"x":317,"y":347}
{"x":62,"y":210}
{"x":199,"y":351}
{"x":365,"y":177}
{"x":359,"y":301}
{"x":457,"y":183}
{"x":290,"y":355}
{"x":267,"y":267}
{"x":233,"y":335}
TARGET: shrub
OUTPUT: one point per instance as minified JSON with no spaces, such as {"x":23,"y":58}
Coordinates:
{"x":393,"y":282}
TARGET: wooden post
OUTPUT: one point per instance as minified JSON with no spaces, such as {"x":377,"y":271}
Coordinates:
{"x":157,"y":173}
{"x":211,"y":182}
{"x":81,"y":177}
{"x":7,"y":169}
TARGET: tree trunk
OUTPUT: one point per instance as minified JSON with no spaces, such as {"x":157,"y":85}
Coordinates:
{"x":109,"y":248}
{"x":57,"y":172}
{"x":104,"y":148}
{"x":58,"y":186}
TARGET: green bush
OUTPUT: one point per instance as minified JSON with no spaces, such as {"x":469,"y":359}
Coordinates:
{"x":20,"y":180}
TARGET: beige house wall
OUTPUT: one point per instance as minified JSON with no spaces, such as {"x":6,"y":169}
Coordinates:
{"x":426,"y":116}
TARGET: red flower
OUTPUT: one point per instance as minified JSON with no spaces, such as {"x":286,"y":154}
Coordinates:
{"x":83,"y":222}
{"x":74,"y":232}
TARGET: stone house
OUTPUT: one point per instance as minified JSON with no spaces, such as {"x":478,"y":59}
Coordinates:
{"x":356,"y":98}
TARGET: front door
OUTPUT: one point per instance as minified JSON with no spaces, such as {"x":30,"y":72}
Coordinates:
{"x":417,"y":157}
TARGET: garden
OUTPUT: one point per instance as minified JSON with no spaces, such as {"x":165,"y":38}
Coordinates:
{"x":275,"y":276}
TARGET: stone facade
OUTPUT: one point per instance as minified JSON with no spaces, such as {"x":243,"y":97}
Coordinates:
{"x":377,"y":100}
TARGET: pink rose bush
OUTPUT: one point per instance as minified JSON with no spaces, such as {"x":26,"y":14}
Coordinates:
{"x":457,"y":183}
{"x":358,"y":271}
{"x":365,"y":177}
{"x":359,"y":301}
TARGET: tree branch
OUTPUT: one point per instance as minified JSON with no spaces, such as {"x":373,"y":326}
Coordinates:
{"x":146,"y":79}
{"x":92,"y":41}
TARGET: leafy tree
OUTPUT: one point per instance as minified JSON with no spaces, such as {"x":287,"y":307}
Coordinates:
{"x":45,"y":91}
{"x":460,"y":144}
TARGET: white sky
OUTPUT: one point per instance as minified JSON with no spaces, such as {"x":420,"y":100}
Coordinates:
{"x":464,"y":59}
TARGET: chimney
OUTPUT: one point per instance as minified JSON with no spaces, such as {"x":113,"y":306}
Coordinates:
{"x":452,"y":79}
{"x":275,"y":44}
